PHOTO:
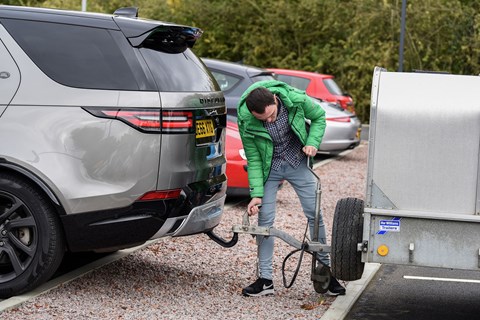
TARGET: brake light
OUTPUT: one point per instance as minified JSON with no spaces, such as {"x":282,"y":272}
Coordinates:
{"x":149,"y":120}
{"x":339,"y":119}
{"x":161,"y":195}
{"x":177,"y":121}
{"x":146,"y":120}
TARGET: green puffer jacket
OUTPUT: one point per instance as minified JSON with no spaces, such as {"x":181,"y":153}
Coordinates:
{"x":256,"y":141}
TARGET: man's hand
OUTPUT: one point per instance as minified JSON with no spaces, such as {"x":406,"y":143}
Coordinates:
{"x":310,"y":151}
{"x":254,"y":206}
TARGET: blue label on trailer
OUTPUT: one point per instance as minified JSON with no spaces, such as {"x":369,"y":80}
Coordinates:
{"x":389,"y":225}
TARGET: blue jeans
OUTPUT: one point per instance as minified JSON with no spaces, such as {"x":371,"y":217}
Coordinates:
{"x":305,"y":185}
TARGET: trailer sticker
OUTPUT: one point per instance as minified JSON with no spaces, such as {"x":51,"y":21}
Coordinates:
{"x":389,"y":225}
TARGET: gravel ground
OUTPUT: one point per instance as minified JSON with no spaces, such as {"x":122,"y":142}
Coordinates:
{"x":194,"y":278}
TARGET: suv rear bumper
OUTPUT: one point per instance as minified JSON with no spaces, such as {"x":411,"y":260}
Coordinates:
{"x":111,"y":230}
{"x":200,"y":219}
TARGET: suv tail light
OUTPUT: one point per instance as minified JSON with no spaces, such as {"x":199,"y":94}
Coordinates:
{"x":177,"y":121}
{"x":145,"y":120}
{"x":149,"y":120}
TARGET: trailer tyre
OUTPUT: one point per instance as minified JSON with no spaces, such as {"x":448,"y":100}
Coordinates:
{"x":346,"y":234}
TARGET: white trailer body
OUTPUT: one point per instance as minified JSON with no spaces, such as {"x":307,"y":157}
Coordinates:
{"x":422,"y":203}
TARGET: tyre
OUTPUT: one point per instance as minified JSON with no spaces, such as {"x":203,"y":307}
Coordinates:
{"x":31,"y":239}
{"x":346,"y":234}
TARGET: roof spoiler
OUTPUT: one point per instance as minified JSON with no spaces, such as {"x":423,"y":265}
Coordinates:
{"x":128,"y":12}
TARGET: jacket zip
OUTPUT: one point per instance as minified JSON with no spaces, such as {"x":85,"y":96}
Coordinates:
{"x":295,"y":129}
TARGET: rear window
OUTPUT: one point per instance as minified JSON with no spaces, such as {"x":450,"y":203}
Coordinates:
{"x":225,"y":81}
{"x":297,"y":82}
{"x":79,"y":56}
{"x":333,"y":87}
{"x":263,"y":77}
{"x":179,"y":71}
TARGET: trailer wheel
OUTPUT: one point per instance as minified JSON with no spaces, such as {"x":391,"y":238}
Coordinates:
{"x":346,"y":234}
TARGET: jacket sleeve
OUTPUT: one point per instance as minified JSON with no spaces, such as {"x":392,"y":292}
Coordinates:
{"x":315,"y":113}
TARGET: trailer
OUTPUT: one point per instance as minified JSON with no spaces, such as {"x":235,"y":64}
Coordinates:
{"x":422,"y":201}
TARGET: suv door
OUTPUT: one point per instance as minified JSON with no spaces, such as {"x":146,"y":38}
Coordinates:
{"x":9,"y":76}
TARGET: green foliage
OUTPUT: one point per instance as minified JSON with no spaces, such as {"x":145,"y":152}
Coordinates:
{"x":346,"y":38}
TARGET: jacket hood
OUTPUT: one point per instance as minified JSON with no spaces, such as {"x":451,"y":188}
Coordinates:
{"x":276,"y":87}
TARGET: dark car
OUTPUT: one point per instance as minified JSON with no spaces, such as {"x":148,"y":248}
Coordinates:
{"x":234,"y":79}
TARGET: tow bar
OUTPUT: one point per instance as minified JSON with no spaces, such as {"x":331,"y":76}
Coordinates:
{"x":320,"y":273}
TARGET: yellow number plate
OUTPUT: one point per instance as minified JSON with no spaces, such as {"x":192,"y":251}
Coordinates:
{"x":204,"y":128}
{"x":359,"y":132}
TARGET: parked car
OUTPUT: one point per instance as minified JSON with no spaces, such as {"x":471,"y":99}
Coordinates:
{"x":237,"y":166}
{"x":342,"y":131}
{"x":112,"y":133}
{"x":343,"y":127}
{"x":317,"y":85}
{"x":237,"y":184}
{"x":234,"y":79}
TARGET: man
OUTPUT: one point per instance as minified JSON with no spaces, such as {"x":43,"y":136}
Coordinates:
{"x":271,"y":121}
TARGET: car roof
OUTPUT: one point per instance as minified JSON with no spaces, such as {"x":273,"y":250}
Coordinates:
{"x":131,"y":26}
{"x":300,"y":73}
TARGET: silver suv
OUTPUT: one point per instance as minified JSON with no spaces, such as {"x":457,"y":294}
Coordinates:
{"x":111,"y":133}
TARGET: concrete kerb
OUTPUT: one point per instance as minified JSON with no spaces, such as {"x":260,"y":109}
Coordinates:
{"x":342,"y":304}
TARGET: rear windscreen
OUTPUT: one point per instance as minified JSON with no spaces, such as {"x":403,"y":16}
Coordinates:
{"x":297,"y":82}
{"x":333,"y":87}
{"x":179,"y":71}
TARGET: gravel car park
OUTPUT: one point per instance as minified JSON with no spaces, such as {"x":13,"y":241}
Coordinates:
{"x":111,"y":133}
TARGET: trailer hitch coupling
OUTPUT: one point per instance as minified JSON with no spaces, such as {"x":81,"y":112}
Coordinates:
{"x":320,"y":273}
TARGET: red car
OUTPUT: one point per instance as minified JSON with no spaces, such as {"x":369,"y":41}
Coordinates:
{"x":237,"y":183}
{"x":236,"y":161}
{"x":317,"y":85}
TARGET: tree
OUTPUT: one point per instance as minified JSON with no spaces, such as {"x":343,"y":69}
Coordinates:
{"x":346,"y":38}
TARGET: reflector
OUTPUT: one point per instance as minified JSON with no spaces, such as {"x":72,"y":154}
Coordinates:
{"x":161,"y":195}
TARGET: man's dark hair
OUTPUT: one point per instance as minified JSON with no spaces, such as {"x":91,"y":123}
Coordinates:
{"x":258,"y":99}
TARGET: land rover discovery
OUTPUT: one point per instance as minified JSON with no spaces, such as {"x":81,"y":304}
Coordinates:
{"x":111,"y":134}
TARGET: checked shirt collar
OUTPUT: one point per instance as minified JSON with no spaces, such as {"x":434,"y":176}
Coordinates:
{"x":286,"y":145}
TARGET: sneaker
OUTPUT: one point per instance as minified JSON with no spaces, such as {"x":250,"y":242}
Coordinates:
{"x":261,"y":287}
{"x":335,"y":288}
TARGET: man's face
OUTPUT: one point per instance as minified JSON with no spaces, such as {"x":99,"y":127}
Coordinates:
{"x":270,"y":114}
